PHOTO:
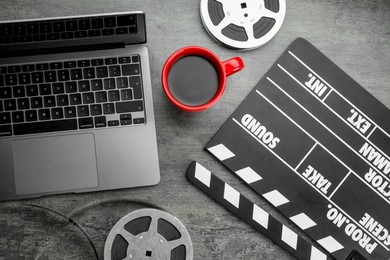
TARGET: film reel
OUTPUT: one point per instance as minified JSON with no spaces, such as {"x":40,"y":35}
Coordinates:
{"x":245,"y":24}
{"x":148,"y":234}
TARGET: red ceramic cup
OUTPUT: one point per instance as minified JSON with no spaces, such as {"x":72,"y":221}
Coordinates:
{"x":223,"y":69}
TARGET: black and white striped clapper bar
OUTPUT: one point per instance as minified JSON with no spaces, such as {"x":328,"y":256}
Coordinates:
{"x":252,"y":214}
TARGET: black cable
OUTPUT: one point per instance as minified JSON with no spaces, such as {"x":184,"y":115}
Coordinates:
{"x":73,"y":222}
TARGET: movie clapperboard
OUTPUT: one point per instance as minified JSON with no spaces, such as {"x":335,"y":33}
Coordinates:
{"x":316,"y":145}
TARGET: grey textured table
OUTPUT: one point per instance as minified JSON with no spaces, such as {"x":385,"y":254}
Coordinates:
{"x":354,"y":34}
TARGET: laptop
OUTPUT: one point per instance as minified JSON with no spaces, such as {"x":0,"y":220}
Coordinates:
{"x":76,"y":108}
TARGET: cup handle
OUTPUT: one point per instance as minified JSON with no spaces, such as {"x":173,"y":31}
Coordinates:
{"x":233,"y":65}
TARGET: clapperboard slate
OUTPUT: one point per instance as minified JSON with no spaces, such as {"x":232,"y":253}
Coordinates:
{"x":316,"y":145}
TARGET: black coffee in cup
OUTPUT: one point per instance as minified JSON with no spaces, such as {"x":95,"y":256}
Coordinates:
{"x":193,"y":80}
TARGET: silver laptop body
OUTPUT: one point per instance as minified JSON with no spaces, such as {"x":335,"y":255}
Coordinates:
{"x":114,"y":151}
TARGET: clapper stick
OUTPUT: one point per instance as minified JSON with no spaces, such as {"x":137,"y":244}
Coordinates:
{"x":252,"y":214}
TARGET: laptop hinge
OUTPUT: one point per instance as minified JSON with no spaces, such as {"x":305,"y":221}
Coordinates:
{"x":81,"y":48}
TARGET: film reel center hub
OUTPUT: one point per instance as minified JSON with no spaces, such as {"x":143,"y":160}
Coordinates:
{"x":148,"y":234}
{"x":244,"y":24}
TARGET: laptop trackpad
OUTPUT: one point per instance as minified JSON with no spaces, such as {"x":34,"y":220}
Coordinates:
{"x":58,"y":163}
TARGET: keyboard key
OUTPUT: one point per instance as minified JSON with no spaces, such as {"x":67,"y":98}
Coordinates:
{"x":84,"y":86}
{"x":19,"y":29}
{"x":55,"y":65}
{"x":75,"y":99}
{"x":32,"y":90}
{"x":111,"y":61}
{"x":2,"y":83}
{"x":97,"y":23}
{"x":135,"y":83}
{"x":46,"y":28}
{"x":10,"y":104}
{"x":76,"y":74}
{"x":23,"y":103}
{"x":115,"y":71}
{"x":69,"y":64}
{"x":96,"y":110}
{"x":58,"y":88}
{"x":5,"y":118}
{"x":100,"y":121}
{"x":5,"y":130}
{"x":84,"y":63}
{"x":47,"y":126}
{"x":11,"y":79}
{"x":63,"y":75}
{"x":85,"y":123}
{"x":36,"y":102}
{"x":71,"y":25}
{"x":88,"y":98}
{"x":126,"y":94}
{"x":125,"y":116}
{"x":50,"y":76}
{"x":44,"y":89}
{"x":37,"y":77}
{"x":109,"y":83}
{"x":49,"y":101}
{"x":59,"y":26}
{"x":130,"y":69}
{"x":101,"y":96}
{"x":14,"y":69}
{"x":3,"y":70}
{"x":17,"y":117}
{"x":70,"y":112}
{"x":139,"y":120}
{"x":25,"y":38}
{"x":126,"y":20}
{"x":129,"y":106}
{"x":124,"y":60}
{"x":19,"y":91}
{"x":80,"y":34}
{"x":24,"y":78}
{"x":57,"y":113}
{"x":1,"y":106}
{"x":109,"y":22}
{"x":67,"y":35}
{"x":62,"y":100}
{"x":121,"y":30}
{"x":126,"y":122}
{"x":94,"y":33}
{"x":89,"y":73}
{"x":39,"y":37}
{"x":82,"y":111}
{"x":42,"y":66}
{"x":44,"y":114}
{"x":71,"y":87}
{"x":101,"y":72}
{"x":107,"y":32}
{"x":113,"y":123}
{"x":84,"y":24}
{"x":31,"y":115}
{"x":97,"y":62}
{"x":6,"y":30}
{"x":28,"y":68}
{"x":113,"y":95}
{"x":97,"y":84}
{"x":32,"y":28}
{"x":122,"y":82}
{"x":135,"y":58}
{"x":5,"y":92}
{"x":108,"y":108}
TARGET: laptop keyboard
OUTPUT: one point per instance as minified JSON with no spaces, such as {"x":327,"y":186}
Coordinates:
{"x":67,"y":28}
{"x":69,"y":95}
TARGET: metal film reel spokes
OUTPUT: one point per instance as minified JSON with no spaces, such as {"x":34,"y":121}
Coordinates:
{"x":148,"y":234}
{"x":243,"y":24}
